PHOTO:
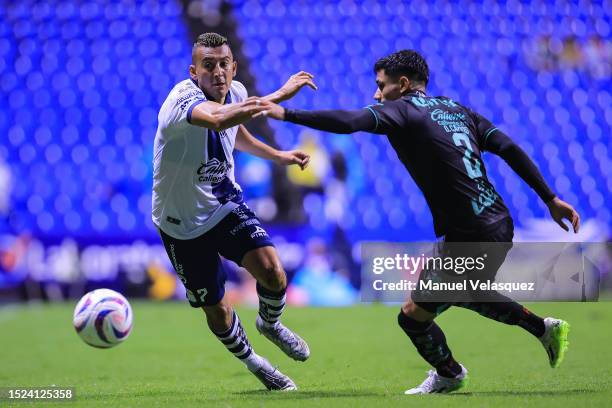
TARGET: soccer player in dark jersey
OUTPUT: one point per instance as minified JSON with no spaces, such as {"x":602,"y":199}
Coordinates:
{"x":440,"y":142}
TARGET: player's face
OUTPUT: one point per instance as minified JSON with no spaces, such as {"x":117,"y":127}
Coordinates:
{"x":389,"y":89}
{"x":213,"y":69}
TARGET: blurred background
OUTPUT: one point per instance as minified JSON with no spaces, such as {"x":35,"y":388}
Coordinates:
{"x":82,"y":83}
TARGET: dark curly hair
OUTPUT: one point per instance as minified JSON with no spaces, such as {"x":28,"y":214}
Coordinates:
{"x":210,"y":40}
{"x":408,"y":63}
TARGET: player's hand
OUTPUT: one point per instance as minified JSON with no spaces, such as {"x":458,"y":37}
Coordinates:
{"x":295,"y":83}
{"x":273,"y":111}
{"x":560,"y":210}
{"x":255,"y":106}
{"x":293,"y":157}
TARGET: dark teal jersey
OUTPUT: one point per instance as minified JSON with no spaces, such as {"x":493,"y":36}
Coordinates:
{"x":440,"y":142}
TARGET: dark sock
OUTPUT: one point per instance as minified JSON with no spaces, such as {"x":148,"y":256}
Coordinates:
{"x":509,"y":312}
{"x":430,"y":343}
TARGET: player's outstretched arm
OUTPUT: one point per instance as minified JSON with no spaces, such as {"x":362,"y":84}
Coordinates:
{"x":336,"y":121}
{"x":248,"y":143}
{"x":292,"y":87}
{"x":501,"y":145}
{"x":217,"y":117}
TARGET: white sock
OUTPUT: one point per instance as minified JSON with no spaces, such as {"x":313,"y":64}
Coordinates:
{"x":253,"y":362}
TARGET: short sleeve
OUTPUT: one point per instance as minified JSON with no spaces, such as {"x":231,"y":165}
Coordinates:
{"x":240,"y":91}
{"x":389,"y":116}
{"x":181,"y":104}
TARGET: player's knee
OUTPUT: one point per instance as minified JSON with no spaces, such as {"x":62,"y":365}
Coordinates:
{"x":271,"y":275}
{"x":410,"y":325}
{"x":265,"y":266}
{"x":409,"y":308}
{"x":415,"y":312}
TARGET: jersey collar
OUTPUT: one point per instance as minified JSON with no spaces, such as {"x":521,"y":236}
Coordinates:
{"x":228,"y":97}
{"x":417,"y":92}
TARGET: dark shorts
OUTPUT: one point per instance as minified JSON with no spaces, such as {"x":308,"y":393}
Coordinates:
{"x":485,"y":242}
{"x":197,"y":261}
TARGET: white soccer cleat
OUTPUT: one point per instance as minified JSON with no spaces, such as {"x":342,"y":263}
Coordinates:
{"x":554,"y":340}
{"x":290,"y":343}
{"x":436,"y":384}
{"x":273,"y":379}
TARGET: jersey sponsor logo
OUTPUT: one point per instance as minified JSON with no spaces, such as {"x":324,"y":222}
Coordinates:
{"x":427,"y":102}
{"x":242,"y":225}
{"x":213,"y":171}
{"x":440,"y":114}
{"x":188,"y":96}
{"x":184,"y":101}
{"x":259,"y":232}
{"x":450,"y":121}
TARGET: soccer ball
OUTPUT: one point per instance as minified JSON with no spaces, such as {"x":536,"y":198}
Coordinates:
{"x":103,"y":318}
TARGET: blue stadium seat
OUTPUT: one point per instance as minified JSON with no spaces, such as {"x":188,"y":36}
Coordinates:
{"x":97,"y":73}
{"x":548,"y":113}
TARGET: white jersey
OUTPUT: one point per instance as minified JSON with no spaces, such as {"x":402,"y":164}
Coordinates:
{"x":193,"y":167}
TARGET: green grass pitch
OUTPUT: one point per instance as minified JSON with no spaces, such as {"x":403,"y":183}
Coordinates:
{"x":360,"y":357}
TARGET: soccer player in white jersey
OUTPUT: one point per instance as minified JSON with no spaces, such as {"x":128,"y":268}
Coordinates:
{"x":199,"y":209}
